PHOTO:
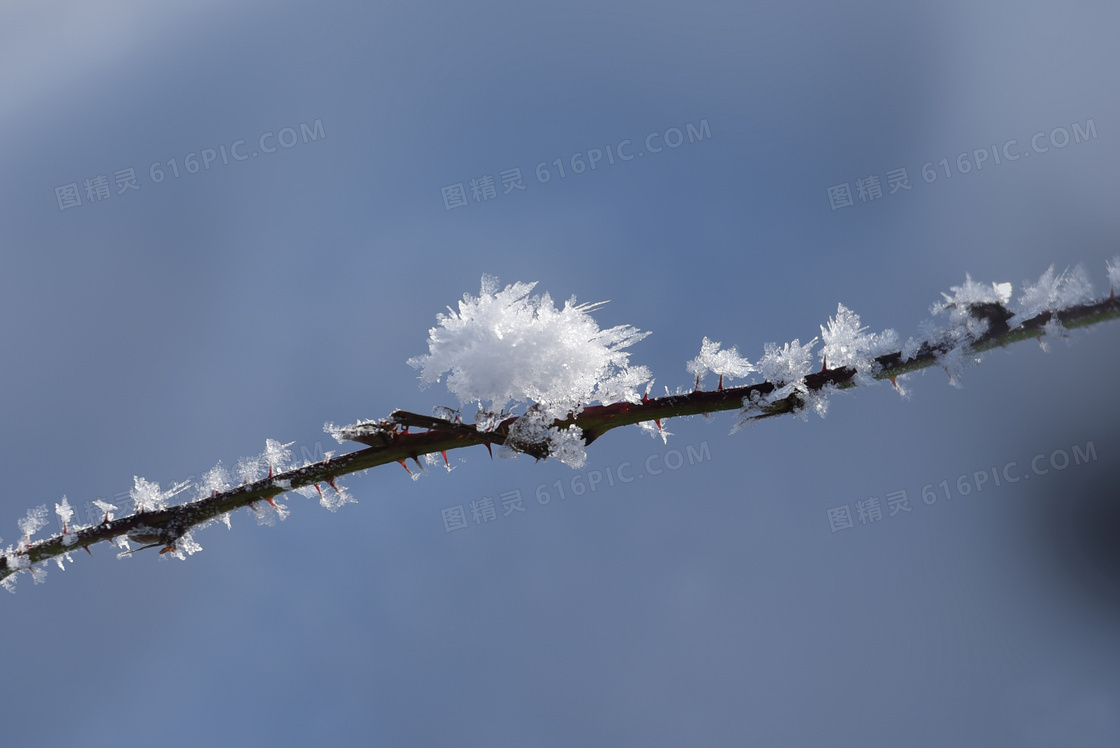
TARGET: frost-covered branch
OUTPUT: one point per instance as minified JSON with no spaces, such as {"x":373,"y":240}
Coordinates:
{"x":506,"y":347}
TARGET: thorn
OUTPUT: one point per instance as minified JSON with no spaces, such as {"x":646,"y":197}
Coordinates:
{"x":168,"y":549}
{"x":720,"y":385}
{"x":319,"y":490}
{"x":270,"y":501}
{"x":645,"y":397}
{"x":445,"y":462}
{"x":269,"y":475}
{"x":824,"y":364}
{"x":416,"y":459}
{"x":488,"y":449}
{"x":894,"y":381}
{"x":696,"y":387}
{"x":89,"y":551}
{"x":403,"y":465}
{"x":658,"y":422}
{"x":330,"y":481}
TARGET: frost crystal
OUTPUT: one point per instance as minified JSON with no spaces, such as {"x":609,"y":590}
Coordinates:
{"x":1052,"y":293}
{"x":787,"y":367}
{"x":848,"y":344}
{"x":972,"y":293}
{"x":276,"y":455}
{"x":214,"y":481}
{"x":350,"y":432}
{"x":64,"y":512}
{"x":185,"y":546}
{"x":35,"y":520}
{"x":1113,"y":266}
{"x":724,"y":364}
{"x":506,"y":346}
{"x":567,"y":446}
{"x":106,"y":508}
{"x":147,"y":496}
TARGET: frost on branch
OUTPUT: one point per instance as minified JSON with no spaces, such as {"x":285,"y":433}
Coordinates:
{"x":1113,"y":266}
{"x":1053,"y":293}
{"x":724,"y":364}
{"x":846,"y":343}
{"x":786,"y":369}
{"x":506,"y":346}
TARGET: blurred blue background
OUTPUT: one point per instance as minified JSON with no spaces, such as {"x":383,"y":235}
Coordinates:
{"x":156,"y":330}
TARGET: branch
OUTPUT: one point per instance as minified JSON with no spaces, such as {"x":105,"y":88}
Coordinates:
{"x":391,"y":441}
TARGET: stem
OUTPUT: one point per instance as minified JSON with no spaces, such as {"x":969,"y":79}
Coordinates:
{"x":387,"y":442}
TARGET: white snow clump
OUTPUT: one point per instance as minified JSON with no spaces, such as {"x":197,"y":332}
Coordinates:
{"x":506,"y":346}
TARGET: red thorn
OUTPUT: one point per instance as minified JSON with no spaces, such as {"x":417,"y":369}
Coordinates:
{"x":445,"y":462}
{"x":720,"y":386}
{"x":330,"y":481}
{"x":270,"y":471}
{"x":824,"y":364}
{"x":658,"y":422}
{"x":319,"y":490}
{"x":403,"y":465}
{"x":89,"y":551}
{"x":270,"y":501}
{"x":645,"y":397}
{"x":488,"y":449}
{"x":894,"y":382}
{"x":417,"y":461}
{"x":168,"y":549}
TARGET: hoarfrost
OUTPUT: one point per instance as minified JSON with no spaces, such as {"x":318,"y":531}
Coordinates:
{"x":1052,"y":293}
{"x":506,"y":346}
{"x":147,"y":496}
{"x":846,"y":343}
{"x":276,"y":455}
{"x":106,"y":508}
{"x":35,"y":520}
{"x":787,"y":367}
{"x":726,"y":364}
{"x":1113,"y":266}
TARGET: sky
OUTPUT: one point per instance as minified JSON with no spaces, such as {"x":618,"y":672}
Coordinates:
{"x":225,"y":225}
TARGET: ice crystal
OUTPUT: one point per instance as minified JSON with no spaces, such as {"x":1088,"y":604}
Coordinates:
{"x":1113,"y":266}
{"x":1052,"y":293}
{"x":787,"y":367}
{"x":65,"y":512}
{"x":726,"y":364}
{"x":506,"y":346}
{"x":846,"y":343}
{"x":147,"y":496}
{"x":214,"y":481}
{"x":276,"y":455}
{"x":35,"y":520}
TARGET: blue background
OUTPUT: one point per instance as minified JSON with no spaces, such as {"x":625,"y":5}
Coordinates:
{"x":159,"y":331}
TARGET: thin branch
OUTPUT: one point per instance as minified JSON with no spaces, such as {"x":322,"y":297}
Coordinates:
{"x":391,"y":441}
